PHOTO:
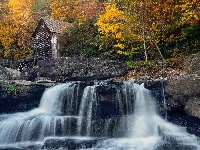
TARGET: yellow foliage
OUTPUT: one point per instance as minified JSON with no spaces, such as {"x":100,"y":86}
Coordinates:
{"x":16,"y":25}
{"x":6,"y":36}
{"x":6,"y":53}
{"x":119,"y":45}
{"x":111,"y":23}
{"x":189,"y":10}
{"x":64,"y":10}
{"x":123,"y":52}
{"x":20,"y":11}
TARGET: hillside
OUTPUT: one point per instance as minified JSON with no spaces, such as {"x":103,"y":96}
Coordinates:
{"x":171,"y":68}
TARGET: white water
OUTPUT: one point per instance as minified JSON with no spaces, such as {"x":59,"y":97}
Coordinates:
{"x":144,"y":125}
{"x":41,"y":122}
{"x":146,"y":130}
{"x":85,"y":110}
{"x":52,"y":99}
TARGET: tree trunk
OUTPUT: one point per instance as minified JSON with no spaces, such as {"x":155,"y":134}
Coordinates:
{"x":144,"y":45}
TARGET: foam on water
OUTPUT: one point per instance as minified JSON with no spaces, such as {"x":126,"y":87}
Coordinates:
{"x":147,"y":130}
{"x":55,"y":118}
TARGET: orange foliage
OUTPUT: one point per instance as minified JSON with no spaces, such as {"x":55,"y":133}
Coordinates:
{"x":16,"y":26}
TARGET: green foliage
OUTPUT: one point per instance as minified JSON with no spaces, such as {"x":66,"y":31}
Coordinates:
{"x":81,"y":39}
{"x":190,"y":39}
{"x":13,"y":89}
{"x":185,"y":40}
{"x":92,"y":47}
{"x":141,"y":65}
{"x":176,"y":63}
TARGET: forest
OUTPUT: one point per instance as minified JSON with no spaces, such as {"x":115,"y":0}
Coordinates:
{"x":127,"y":30}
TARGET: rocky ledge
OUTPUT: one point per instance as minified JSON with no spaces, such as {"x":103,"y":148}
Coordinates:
{"x":183,"y":102}
{"x":72,"y":69}
{"x":178,"y":100}
{"x":19,"y":96}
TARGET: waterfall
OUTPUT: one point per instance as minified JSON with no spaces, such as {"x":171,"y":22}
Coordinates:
{"x":144,"y":123}
{"x":122,"y":114}
{"x":52,"y":99}
{"x":86,"y":109}
{"x":148,"y":131}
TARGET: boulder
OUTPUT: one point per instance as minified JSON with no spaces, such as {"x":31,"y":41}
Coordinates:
{"x":192,"y":107}
{"x":185,"y":93}
{"x":8,"y":73}
{"x":182,"y":102}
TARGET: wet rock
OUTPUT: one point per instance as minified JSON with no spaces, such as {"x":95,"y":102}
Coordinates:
{"x":70,"y":143}
{"x":185,"y":93}
{"x":183,"y":102}
{"x":19,"y":98}
{"x":192,"y":107}
{"x":174,"y":146}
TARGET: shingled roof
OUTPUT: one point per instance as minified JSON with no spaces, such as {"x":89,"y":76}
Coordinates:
{"x":54,"y":26}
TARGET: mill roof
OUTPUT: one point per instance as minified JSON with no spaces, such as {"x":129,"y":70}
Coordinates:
{"x":54,"y":26}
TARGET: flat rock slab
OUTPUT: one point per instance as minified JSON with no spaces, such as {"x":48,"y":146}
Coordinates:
{"x":75,"y":68}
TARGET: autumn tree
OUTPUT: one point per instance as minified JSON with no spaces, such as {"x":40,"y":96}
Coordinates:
{"x":111,"y":26}
{"x":41,"y":8}
{"x":88,"y":10}
{"x":16,"y":28}
{"x":183,"y":31}
{"x":156,"y":21}
{"x":189,"y":11}
{"x":64,"y":10}
{"x":82,"y":38}
{"x":5,"y":31}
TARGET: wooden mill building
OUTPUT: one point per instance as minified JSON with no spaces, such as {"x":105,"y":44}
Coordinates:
{"x":46,"y":38}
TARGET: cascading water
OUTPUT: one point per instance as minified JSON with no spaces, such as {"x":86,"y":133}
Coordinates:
{"x":148,"y":131}
{"x":100,"y":116}
{"x":85,"y":110}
